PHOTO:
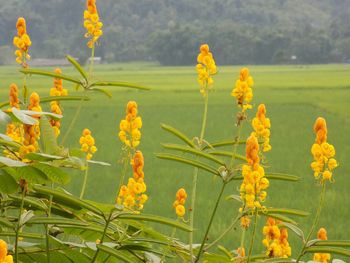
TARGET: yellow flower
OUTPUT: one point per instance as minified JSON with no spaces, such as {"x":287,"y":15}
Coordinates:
{"x":130,"y":133}
{"x":276,"y":240}
{"x":206,"y":68}
{"x":240,"y":255}
{"x":22,"y":42}
{"x":322,"y":257}
{"x":261,"y":126}
{"x":132,"y":196}
{"x":92,"y":23}
{"x":4,"y":257}
{"x":245,"y":222}
{"x":242,"y":90}
{"x":87,"y":143}
{"x":180,"y":201}
{"x":322,"y":152}
{"x":31,"y":132}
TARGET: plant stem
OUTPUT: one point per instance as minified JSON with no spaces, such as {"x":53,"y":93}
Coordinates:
{"x":124,"y":171}
{"x":211,"y":221}
{"x":227,"y":230}
{"x":103,"y":236}
{"x":73,"y":121}
{"x":85,"y":181}
{"x":91,"y":67}
{"x":195,"y":177}
{"x":48,"y":229}
{"x":171,"y":237}
{"x":253,"y":235}
{"x":316,"y":219}
{"x":235,"y":146}
{"x":19,"y":226}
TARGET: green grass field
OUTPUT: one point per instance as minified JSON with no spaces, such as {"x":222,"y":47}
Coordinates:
{"x":294,"y":95}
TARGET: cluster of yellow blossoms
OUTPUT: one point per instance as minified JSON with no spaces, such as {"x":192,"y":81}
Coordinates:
{"x":130,"y":127}
{"x":4,"y":257}
{"x":323,"y":152}
{"x":276,"y":240}
{"x":13,"y":130}
{"x":206,"y":67}
{"x":92,"y":23}
{"x":57,"y":90}
{"x":243,"y":89}
{"x":132,"y":195}
{"x":261,"y":126}
{"x":31,"y":132}
{"x":322,"y":257}
{"x":179,"y":203}
{"x":22,"y":42}
{"x":87,"y":143}
{"x":254,"y":180}
{"x":240,"y":255}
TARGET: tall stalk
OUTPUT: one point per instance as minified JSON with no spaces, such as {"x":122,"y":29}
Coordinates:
{"x":18,"y":227}
{"x":316,"y":219}
{"x":195,"y":176}
{"x":126,"y":163}
{"x":82,"y":192}
{"x":48,"y":229}
{"x":253,"y":235}
{"x":103,"y":236}
{"x":211,"y":221}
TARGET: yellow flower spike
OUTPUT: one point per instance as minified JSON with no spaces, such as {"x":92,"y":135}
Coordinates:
{"x":4,"y":257}
{"x":261,"y":126}
{"x":92,"y":23}
{"x":130,"y":133}
{"x":31,"y":132}
{"x":240,"y":255}
{"x":322,"y":152}
{"x":206,"y":68}
{"x":132,"y":196}
{"x":242,"y":90}
{"x":322,"y":257}
{"x":179,"y":203}
{"x":87,"y":143}
{"x":22,"y":42}
{"x":276,"y":240}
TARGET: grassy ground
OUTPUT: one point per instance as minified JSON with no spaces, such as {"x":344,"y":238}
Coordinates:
{"x":294,"y":95}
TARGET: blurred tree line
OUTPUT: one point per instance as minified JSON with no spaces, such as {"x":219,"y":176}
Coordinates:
{"x":170,"y":31}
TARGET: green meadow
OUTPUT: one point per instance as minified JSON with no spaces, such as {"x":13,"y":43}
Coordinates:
{"x":294,"y":96}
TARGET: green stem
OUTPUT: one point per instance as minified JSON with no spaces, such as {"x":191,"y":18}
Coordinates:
{"x":227,"y":230}
{"x":103,"y":236}
{"x":124,"y":171}
{"x":235,"y":145}
{"x":315,"y":223}
{"x":85,"y":181}
{"x":73,"y":121}
{"x":211,"y":221}
{"x":19,"y":226}
{"x":91,"y":68}
{"x":195,"y":177}
{"x":171,"y":237}
{"x":48,"y":230}
{"x":253,"y":234}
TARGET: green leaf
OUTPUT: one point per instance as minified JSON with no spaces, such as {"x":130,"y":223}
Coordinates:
{"x":8,"y":184}
{"x":332,"y":243}
{"x":98,"y":162}
{"x":55,"y":174}
{"x":193,"y":151}
{"x":178,"y":134}
{"x":28,"y":173}
{"x":22,"y":234}
{"x":11,"y":163}
{"x":25,"y":217}
{"x":11,"y":144}
{"x":118,"y":84}
{"x":6,"y":223}
{"x":229,"y":154}
{"x":42,"y":157}
{"x":279,"y":217}
{"x":116,"y":253}
{"x":77,"y":66}
{"x":198,"y":164}
{"x":30,"y":202}
{"x":287,"y":211}
{"x":42,"y":113}
{"x":332,"y":250}
{"x":223,"y":143}
{"x":50,"y":74}
{"x":67,"y":199}
{"x":234,"y":197}
{"x":282,"y":177}
{"x":104,"y":91}
{"x":295,"y":229}
{"x":157,"y":219}
{"x":48,"y":138}
{"x":56,"y":221}
{"x":20,"y":116}
{"x":63,"y":98}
